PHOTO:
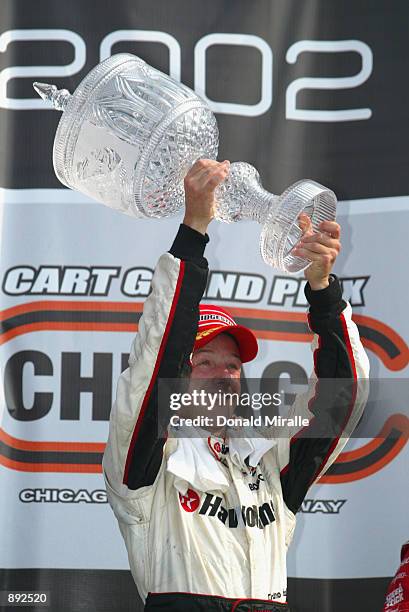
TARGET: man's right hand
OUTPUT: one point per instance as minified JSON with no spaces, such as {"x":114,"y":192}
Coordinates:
{"x":200,"y":183}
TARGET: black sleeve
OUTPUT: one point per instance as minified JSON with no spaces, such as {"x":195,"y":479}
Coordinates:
{"x":330,"y":399}
{"x":189,"y":245}
{"x":146,"y":449}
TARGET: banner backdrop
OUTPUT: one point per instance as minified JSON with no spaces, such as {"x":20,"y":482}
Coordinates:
{"x":300,"y":90}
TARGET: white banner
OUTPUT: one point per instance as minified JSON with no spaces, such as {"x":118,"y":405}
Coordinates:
{"x":74,"y":278}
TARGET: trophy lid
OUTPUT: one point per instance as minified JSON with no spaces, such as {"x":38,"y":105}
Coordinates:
{"x":58,"y":97}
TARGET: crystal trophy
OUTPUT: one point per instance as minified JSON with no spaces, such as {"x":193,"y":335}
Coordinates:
{"x":128,"y":136}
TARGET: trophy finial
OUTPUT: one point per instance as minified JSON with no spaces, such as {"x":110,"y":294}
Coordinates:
{"x":50,"y":93}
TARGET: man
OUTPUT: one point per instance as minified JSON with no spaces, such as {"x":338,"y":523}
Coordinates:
{"x":205,"y":528}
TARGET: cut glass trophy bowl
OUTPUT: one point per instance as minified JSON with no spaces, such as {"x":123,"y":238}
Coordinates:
{"x":129,"y":134}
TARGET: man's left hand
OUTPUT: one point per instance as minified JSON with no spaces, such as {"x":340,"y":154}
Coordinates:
{"x":321,"y":248}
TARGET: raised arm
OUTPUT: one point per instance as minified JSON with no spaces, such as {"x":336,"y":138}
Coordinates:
{"x":164,"y":342}
{"x":337,"y":394}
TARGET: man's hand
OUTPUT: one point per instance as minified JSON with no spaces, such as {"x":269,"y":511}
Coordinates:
{"x":321,"y":248}
{"x":200,"y":182}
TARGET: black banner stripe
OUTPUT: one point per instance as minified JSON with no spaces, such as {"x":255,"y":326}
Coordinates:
{"x":356,"y":465}
{"x":114,"y":316}
{"x":41,"y":456}
{"x":289,"y":326}
{"x":70,"y":316}
{"x":380,"y":339}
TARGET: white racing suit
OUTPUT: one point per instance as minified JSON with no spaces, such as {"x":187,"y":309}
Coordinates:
{"x":208,"y":550}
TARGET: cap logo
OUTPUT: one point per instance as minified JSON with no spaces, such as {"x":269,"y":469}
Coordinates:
{"x":215,"y":317}
{"x":207,"y":331}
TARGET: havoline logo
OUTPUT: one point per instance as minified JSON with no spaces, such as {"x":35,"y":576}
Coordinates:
{"x":246,"y":516}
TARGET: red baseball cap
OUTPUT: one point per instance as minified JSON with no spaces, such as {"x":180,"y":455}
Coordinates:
{"x":214,"y":320}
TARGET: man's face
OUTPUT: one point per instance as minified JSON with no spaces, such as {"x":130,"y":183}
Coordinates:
{"x":216,"y":367}
{"x":218,"y":359}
